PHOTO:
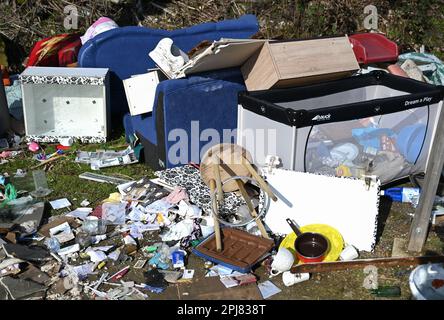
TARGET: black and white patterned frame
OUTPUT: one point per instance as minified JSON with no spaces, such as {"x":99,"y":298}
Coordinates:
{"x":55,"y":139}
{"x":62,"y":80}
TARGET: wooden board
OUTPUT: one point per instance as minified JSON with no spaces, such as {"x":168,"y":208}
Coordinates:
{"x":359,"y":264}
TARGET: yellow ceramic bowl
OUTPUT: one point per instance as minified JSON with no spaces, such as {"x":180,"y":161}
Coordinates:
{"x":335,"y":241}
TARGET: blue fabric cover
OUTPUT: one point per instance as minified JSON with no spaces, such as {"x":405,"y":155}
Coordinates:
{"x":125,"y":50}
{"x":210,"y":98}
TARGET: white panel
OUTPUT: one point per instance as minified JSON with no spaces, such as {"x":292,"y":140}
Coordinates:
{"x":342,"y":203}
{"x":56,"y":110}
{"x":140,"y":92}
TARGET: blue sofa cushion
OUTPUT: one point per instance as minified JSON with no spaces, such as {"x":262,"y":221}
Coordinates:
{"x":185,"y":109}
{"x":125,"y":50}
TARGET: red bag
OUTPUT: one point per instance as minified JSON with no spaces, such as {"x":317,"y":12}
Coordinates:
{"x":69,"y":53}
{"x":57,"y":51}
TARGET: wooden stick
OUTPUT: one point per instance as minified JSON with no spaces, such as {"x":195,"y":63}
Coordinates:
{"x":358,"y":264}
{"x":259,"y":179}
{"x":216,"y":222}
{"x":421,"y":220}
{"x":216,"y":170}
{"x":48,"y":161}
{"x":253,"y":212}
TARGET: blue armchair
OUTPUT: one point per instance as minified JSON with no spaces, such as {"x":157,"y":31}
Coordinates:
{"x":209,"y":98}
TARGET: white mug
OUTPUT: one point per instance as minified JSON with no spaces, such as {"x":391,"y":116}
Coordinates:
{"x":207,"y":226}
{"x":290,"y":279}
{"x":283,"y":261}
{"x":349,"y":253}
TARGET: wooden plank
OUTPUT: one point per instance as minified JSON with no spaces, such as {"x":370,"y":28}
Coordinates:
{"x":423,"y":212}
{"x":259,"y":71}
{"x":361,"y":263}
{"x":289,"y":63}
{"x":313,"y":57}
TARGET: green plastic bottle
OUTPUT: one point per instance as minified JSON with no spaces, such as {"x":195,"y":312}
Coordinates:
{"x":387,"y":291}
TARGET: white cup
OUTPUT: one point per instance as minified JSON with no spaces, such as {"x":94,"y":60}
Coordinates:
{"x":290,"y":279}
{"x":207,"y":226}
{"x":282,"y":261}
{"x":349,"y":253}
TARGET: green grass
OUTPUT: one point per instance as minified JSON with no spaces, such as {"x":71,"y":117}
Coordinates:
{"x":63,"y":174}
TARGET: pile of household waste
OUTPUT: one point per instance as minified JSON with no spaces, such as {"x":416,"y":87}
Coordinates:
{"x":139,"y":240}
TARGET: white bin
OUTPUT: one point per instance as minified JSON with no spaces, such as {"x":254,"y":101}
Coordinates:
{"x":65,"y":102}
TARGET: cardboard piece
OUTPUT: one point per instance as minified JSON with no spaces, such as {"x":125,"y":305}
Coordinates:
{"x":35,"y":274}
{"x":224,"y":53}
{"x":44,"y":230}
{"x":289,"y":63}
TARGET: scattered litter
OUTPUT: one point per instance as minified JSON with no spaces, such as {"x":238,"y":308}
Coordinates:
{"x":171,"y":276}
{"x":69,"y":250}
{"x":237,"y":279}
{"x":80,"y":213}
{"x":10,"y":267}
{"x":60,"y":203}
{"x":26,"y":253}
{"x":85,"y":203}
{"x":22,"y":289}
{"x":188,"y":274}
{"x":20,"y":173}
{"x":268,"y":289}
{"x":96,"y":255}
{"x":119,"y":274}
{"x":62,"y":233}
{"x":107,"y":158}
{"x":114,"y":213}
{"x":289,"y":278}
{"x":102,"y":178}
{"x":155,"y":281}
{"x":140,"y":264}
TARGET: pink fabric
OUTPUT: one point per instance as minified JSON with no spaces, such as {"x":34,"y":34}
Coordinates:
{"x":101,"y":25}
{"x":177,"y":195}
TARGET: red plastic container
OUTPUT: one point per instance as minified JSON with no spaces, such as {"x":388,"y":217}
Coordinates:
{"x":373,"y":48}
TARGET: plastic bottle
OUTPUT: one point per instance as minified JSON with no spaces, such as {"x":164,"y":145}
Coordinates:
{"x":387,"y":291}
{"x":402,"y":194}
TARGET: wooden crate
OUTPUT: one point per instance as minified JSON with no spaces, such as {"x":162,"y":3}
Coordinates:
{"x":292,"y":63}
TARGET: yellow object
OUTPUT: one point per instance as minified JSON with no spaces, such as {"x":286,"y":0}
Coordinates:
{"x":335,"y":240}
{"x":343,"y":171}
{"x":113,"y":197}
{"x":160,"y":218}
{"x":101,"y":265}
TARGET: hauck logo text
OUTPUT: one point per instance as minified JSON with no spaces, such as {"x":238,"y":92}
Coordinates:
{"x":323,"y":117}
